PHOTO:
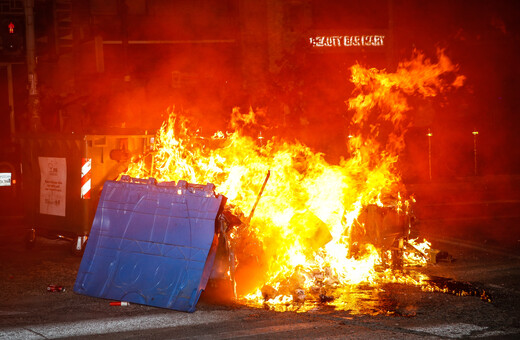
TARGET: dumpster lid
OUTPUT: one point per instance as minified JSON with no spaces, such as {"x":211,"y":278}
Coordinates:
{"x":151,"y":243}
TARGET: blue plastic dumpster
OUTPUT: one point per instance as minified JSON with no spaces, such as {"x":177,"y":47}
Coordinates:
{"x":151,"y":243}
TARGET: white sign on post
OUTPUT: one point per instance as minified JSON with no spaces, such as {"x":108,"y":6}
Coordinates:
{"x":53,"y":185}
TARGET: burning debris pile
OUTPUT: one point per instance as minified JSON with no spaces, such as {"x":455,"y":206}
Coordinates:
{"x":319,"y":229}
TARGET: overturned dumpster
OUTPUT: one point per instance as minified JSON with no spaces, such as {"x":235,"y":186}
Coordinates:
{"x":151,"y":243}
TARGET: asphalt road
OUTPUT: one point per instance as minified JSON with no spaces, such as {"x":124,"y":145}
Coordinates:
{"x":393,"y":311}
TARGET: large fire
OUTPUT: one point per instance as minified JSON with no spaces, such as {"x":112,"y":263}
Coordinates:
{"x":320,"y":230}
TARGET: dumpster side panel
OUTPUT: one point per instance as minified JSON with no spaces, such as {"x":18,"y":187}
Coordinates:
{"x":151,"y":245}
{"x":110,"y":155}
{"x":48,"y":148}
{"x":79,"y":212}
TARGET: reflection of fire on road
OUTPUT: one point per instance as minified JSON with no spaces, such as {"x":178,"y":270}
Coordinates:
{"x":319,"y":230}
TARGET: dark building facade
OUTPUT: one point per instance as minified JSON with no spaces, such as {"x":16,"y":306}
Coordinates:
{"x":122,"y":63}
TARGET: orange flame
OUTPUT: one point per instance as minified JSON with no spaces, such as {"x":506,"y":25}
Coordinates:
{"x":312,"y":236}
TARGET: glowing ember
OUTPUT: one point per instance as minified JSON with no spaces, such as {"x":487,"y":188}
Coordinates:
{"x":320,"y":231}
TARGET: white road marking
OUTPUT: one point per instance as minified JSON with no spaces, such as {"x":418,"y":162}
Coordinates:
{"x":498,"y":333}
{"x":113,"y":325}
{"x":453,"y":330}
{"x":259,"y":331}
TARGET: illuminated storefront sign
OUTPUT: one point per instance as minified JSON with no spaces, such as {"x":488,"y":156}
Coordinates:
{"x":347,"y":40}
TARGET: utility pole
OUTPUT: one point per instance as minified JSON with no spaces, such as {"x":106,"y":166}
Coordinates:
{"x":390,"y":49}
{"x":34,"y":98}
{"x":475,"y":134}
{"x":430,"y":153}
{"x":10,"y":95}
{"x":123,"y":12}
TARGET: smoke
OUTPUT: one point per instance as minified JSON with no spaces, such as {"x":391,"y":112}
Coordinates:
{"x":205,"y":58}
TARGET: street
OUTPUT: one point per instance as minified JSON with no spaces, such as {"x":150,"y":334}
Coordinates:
{"x":392,"y":311}
{"x":259,"y":169}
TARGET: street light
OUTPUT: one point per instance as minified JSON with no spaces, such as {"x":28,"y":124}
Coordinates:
{"x":429,"y":134}
{"x":475,"y":134}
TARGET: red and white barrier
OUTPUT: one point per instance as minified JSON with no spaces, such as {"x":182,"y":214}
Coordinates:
{"x":86,"y":174}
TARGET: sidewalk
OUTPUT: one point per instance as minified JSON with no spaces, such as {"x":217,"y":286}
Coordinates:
{"x":12,"y":229}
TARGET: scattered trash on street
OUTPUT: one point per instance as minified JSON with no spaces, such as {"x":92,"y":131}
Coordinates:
{"x":55,"y":288}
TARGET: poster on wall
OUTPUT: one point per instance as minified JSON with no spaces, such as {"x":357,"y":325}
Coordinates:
{"x":5,"y":179}
{"x":53,"y":185}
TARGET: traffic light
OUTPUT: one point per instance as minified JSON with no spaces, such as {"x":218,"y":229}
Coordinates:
{"x":13,"y":36}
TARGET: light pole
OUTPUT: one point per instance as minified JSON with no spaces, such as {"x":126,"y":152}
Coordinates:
{"x":34,"y":98}
{"x":429,"y":134}
{"x":475,"y":134}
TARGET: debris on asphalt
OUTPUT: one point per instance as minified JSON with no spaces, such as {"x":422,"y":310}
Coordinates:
{"x":447,"y":285}
{"x":55,"y":288}
{"x":443,"y":256}
{"x":326,"y":298}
